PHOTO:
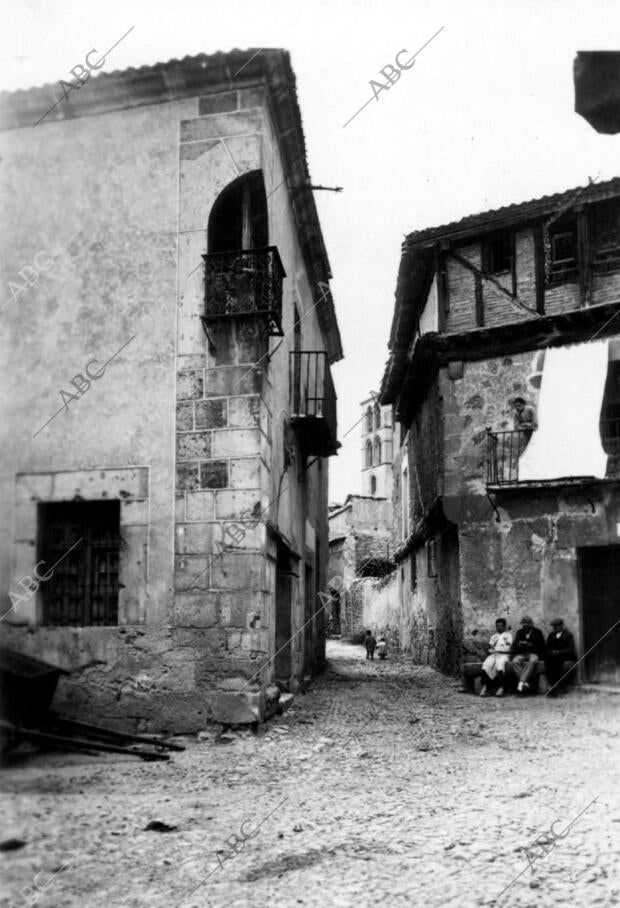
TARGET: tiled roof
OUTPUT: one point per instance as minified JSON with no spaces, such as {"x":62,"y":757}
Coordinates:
{"x":176,"y":78}
{"x":520,"y":211}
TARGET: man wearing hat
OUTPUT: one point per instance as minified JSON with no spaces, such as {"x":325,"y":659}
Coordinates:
{"x":528,"y":648}
{"x":561,"y":655}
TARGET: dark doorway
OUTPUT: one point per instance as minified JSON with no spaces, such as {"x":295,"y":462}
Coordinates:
{"x":309,"y":620}
{"x":600,"y":612}
{"x":286,"y":581}
{"x":81,"y":541}
{"x":334,"y":618}
{"x":239,"y":216}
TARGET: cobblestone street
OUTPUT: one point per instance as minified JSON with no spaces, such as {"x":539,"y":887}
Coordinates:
{"x":384,"y":784}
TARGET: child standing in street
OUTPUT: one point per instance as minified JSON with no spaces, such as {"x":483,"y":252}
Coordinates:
{"x":370,"y":644}
{"x":382,"y":647}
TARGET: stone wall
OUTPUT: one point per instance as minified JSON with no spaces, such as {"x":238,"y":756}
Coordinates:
{"x":131,"y":192}
{"x":527,"y":562}
{"x":475,"y":396}
{"x":376,"y":607}
{"x":518,"y":550}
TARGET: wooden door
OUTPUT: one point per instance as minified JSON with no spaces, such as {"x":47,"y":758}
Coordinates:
{"x":600,"y":612}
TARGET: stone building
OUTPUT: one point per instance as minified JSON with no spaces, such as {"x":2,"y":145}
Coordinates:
{"x":360,"y":530}
{"x":497,"y":514}
{"x":163,"y":258}
{"x":360,"y":545}
{"x":376,"y":449}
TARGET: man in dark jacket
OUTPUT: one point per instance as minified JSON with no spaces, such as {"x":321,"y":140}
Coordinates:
{"x":561,"y":656}
{"x":527,"y":649}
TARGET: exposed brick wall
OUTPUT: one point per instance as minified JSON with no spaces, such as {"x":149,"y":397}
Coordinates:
{"x":460,"y":282}
{"x":497,"y":308}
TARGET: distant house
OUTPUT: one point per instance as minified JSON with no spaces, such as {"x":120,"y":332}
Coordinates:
{"x":360,"y":545}
{"x":505,"y":506}
{"x":181,"y":492}
{"x":360,"y":530}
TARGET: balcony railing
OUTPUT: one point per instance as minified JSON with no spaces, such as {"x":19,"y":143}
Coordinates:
{"x":503,"y":452}
{"x":313,"y":403}
{"x":245,"y":282}
{"x":505,"y":448}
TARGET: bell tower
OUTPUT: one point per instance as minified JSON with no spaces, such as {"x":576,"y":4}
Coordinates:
{"x":377,"y":448}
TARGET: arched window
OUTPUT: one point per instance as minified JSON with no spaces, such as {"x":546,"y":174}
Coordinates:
{"x":368,"y":454}
{"x":377,"y":416}
{"x":373,"y":484}
{"x":368,"y":419}
{"x":238,"y":218}
{"x":377,"y":452}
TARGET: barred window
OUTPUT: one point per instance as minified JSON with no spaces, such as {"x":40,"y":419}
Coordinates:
{"x":498,"y":254}
{"x":83,"y":590}
{"x":606,"y":236}
{"x":561,"y":255}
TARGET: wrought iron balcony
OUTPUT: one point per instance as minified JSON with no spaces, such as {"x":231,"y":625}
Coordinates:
{"x":245,"y":282}
{"x":505,"y":448}
{"x":503,"y":452}
{"x":313,"y":403}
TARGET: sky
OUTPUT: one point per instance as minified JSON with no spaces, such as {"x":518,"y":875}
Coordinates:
{"x":484,"y":118}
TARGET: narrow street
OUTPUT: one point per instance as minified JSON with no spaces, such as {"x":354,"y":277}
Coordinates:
{"x":384,"y":784}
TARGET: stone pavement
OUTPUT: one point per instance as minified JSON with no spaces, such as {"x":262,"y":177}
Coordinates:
{"x":383,"y":785}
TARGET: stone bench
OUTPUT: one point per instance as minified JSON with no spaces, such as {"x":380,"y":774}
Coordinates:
{"x":471,"y":672}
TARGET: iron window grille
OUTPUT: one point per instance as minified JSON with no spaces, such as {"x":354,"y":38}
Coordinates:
{"x":562,"y":266}
{"x":83,"y":590}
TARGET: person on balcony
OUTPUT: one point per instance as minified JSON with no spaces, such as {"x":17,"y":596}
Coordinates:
{"x":524,"y":418}
{"x":494,"y":665}
{"x":527,"y":649}
{"x":561,"y":656}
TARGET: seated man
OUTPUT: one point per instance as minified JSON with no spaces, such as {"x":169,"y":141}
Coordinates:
{"x":561,"y":656}
{"x":494,"y":665}
{"x":527,"y":649}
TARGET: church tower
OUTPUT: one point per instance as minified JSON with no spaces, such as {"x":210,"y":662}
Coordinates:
{"x":377,"y":448}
